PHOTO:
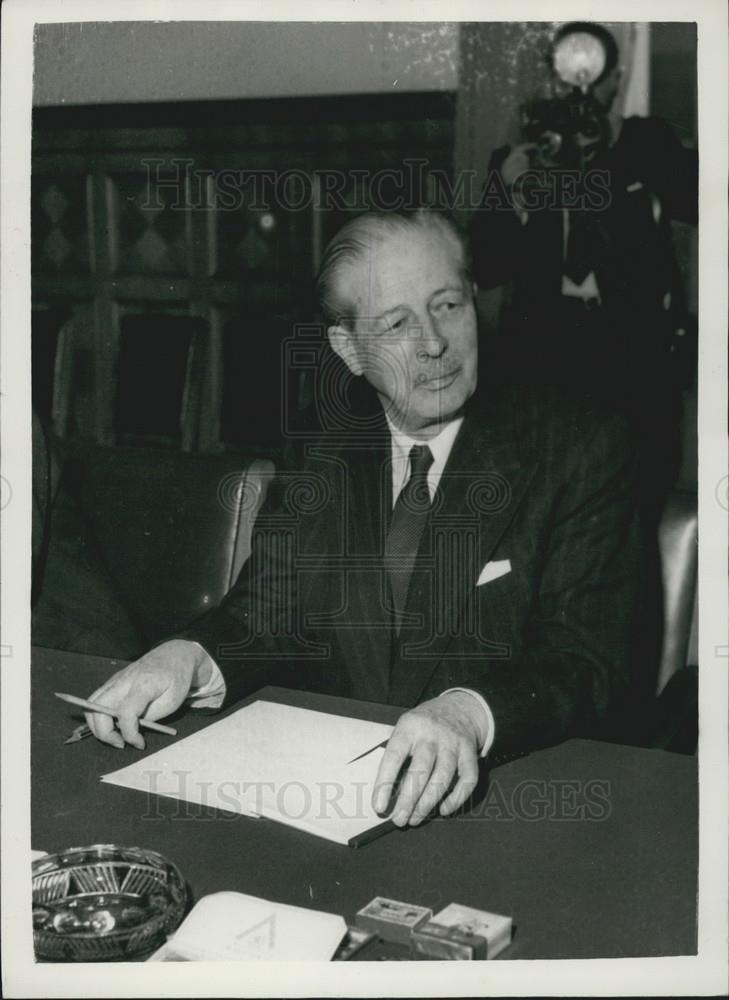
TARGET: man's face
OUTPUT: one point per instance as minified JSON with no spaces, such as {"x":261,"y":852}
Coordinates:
{"x":414,"y":337}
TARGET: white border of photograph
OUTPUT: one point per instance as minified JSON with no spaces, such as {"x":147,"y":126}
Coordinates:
{"x":690,"y":975}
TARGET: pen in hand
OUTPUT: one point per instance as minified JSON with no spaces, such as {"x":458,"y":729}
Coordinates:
{"x":91,"y":706}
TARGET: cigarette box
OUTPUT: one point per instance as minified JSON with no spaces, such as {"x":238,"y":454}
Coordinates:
{"x":461,"y":932}
{"x":392,"y":920}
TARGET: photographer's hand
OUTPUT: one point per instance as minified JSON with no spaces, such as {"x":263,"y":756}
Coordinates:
{"x":525,"y":175}
{"x":518,"y":160}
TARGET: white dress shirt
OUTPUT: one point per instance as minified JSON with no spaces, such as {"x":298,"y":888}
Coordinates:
{"x":440,"y":448}
{"x":587,"y":289}
{"x":212,"y":694}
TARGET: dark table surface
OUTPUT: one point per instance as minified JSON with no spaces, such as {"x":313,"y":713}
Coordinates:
{"x":591,"y":847}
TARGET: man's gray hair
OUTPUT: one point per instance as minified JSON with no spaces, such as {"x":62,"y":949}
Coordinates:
{"x":355,"y":240}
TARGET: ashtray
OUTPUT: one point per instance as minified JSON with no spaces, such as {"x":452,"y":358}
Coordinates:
{"x":104,"y":903}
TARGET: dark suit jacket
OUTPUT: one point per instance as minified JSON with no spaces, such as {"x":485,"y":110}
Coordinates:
{"x":632,"y":350}
{"x":637,"y":265}
{"x":542,"y":483}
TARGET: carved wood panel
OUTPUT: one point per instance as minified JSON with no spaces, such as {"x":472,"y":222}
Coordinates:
{"x":149,"y":218}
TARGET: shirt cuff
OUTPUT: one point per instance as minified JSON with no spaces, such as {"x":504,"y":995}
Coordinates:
{"x":212,"y":693}
{"x":490,"y":723}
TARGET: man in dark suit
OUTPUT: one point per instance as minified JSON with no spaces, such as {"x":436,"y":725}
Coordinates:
{"x":580,"y":238}
{"x":468,"y":557}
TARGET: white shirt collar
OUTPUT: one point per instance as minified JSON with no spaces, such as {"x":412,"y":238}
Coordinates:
{"x":440,"y":447}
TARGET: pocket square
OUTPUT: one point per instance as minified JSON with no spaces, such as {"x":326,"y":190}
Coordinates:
{"x":493,"y":570}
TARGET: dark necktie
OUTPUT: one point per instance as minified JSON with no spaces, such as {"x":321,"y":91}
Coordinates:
{"x":406,"y":528}
{"x":585,"y":242}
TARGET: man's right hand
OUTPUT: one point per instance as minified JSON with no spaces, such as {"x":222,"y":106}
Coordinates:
{"x":153,"y":687}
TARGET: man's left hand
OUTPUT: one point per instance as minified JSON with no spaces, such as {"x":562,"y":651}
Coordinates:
{"x":441,"y":739}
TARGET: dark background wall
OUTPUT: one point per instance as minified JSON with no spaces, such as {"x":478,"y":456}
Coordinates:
{"x":673,"y":77}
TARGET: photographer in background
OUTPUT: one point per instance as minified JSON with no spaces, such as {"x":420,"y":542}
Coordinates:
{"x":595,"y":300}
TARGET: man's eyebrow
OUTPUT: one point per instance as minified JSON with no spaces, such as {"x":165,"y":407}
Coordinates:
{"x":457,"y":287}
{"x":447,"y":288}
{"x":390,"y":309}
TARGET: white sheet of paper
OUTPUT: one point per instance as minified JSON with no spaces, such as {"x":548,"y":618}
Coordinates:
{"x":289,"y":764}
{"x":230,"y":926}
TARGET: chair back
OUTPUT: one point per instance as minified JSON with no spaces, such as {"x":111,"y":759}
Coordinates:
{"x":254,"y":486}
{"x":678,"y":542}
{"x":173,"y":528}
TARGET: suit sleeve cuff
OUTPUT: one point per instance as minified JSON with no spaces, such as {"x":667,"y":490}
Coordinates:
{"x":212,"y":693}
{"x":490,"y":723}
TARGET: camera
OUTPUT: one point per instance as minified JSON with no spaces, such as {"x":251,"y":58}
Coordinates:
{"x":571,"y":127}
{"x":569,"y":132}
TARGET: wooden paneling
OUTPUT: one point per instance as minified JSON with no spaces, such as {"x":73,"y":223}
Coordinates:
{"x":211,"y":213}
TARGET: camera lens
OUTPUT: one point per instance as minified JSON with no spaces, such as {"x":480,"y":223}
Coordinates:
{"x":549,"y":144}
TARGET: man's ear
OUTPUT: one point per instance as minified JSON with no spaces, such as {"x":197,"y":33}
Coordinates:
{"x":343,"y":345}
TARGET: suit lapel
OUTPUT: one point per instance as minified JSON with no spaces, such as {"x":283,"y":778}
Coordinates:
{"x":482,"y":486}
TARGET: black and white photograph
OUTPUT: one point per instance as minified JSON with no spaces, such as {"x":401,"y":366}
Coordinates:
{"x":364,"y":499}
